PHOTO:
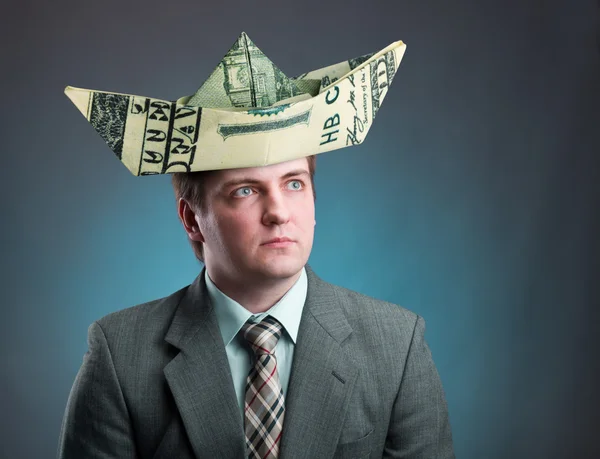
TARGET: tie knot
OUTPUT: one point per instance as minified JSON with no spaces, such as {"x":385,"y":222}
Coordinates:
{"x":262,"y":336}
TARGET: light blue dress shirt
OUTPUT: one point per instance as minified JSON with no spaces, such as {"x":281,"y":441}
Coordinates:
{"x":231,"y":315}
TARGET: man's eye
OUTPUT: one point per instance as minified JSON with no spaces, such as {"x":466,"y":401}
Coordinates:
{"x":236,"y":193}
{"x":299,"y":182}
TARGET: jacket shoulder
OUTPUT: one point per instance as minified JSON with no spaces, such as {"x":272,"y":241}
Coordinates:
{"x":356,"y":303}
{"x":140,"y":316}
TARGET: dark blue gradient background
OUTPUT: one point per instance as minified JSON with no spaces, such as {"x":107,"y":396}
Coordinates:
{"x":473,"y":202}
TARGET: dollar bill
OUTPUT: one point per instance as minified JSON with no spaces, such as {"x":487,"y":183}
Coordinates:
{"x":245,"y":77}
{"x":249,"y":118}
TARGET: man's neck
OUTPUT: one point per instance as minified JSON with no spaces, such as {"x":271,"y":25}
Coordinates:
{"x":256,"y":296}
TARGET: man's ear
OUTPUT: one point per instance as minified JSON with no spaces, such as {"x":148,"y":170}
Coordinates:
{"x":187,"y":215}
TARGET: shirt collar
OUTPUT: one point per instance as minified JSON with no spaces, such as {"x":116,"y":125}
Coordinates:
{"x":231,"y":315}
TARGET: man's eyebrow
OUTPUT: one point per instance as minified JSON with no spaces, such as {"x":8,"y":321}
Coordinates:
{"x":254,"y":181}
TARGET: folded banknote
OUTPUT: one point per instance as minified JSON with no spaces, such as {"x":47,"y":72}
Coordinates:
{"x":248,"y":113}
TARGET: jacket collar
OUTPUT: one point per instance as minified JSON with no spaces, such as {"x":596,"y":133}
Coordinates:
{"x":322,"y":377}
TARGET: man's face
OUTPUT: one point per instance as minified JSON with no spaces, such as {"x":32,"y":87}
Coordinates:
{"x":246,"y":208}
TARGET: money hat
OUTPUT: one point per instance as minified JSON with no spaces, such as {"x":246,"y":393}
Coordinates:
{"x":247,"y":114}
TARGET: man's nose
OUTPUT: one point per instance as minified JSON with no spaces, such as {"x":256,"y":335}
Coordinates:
{"x":276,"y":208}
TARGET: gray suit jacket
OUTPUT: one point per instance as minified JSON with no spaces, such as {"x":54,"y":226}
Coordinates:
{"x":156,"y":383}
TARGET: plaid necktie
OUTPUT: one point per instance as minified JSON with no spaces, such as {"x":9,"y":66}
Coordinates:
{"x":264,"y":408}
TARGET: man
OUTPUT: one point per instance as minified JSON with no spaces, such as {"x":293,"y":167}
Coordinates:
{"x":157,"y":379}
{"x":257,"y":357}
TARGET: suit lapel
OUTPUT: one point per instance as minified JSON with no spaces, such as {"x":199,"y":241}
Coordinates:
{"x":200,"y":378}
{"x":322,"y":377}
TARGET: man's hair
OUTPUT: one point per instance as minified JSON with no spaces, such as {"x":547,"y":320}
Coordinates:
{"x":191,"y":187}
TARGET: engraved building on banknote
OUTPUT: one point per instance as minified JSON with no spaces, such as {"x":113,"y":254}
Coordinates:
{"x":244,"y":64}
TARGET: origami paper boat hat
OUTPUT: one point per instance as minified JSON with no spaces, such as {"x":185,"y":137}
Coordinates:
{"x":247,"y":114}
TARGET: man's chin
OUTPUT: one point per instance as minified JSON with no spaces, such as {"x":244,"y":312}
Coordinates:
{"x":279,"y":269}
